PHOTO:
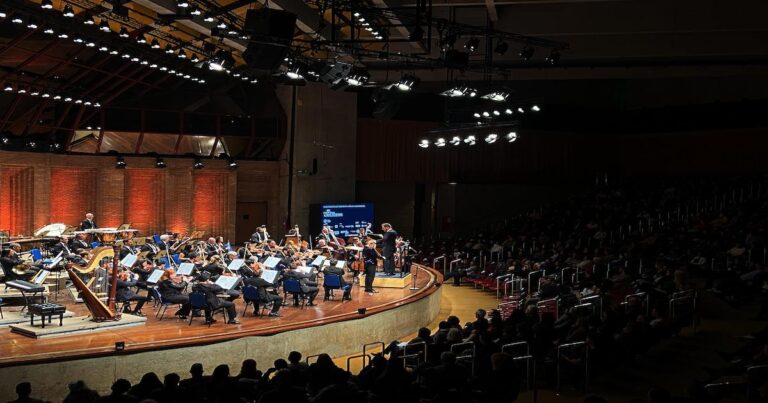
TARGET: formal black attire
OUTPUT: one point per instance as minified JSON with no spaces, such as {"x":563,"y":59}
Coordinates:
{"x":344,"y":285}
{"x":259,"y":237}
{"x":369,"y":264}
{"x":307,"y":283}
{"x":78,"y":244}
{"x":124,"y":293}
{"x":264,"y":295}
{"x":214,"y":302}
{"x":174,"y":293}
{"x":88,"y":224}
{"x":8,"y":263}
{"x":388,"y":245}
{"x":66,"y":253}
{"x":125,"y":250}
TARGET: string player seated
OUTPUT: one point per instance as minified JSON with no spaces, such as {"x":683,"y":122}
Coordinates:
{"x":307,"y":282}
{"x":266,"y":290}
{"x":172,"y":289}
{"x":124,"y":293}
{"x":211,"y":291}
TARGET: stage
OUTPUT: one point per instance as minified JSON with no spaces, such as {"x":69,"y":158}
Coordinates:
{"x":171,"y":345}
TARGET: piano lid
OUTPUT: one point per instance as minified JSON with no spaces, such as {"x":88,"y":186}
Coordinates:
{"x":51,"y":230}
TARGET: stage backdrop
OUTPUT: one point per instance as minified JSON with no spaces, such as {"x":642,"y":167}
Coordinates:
{"x":37,"y":189}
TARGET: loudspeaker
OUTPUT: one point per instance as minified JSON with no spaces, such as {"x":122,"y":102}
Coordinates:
{"x":271,"y":33}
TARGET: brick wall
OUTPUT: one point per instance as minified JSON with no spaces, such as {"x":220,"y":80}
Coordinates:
{"x":37,"y":189}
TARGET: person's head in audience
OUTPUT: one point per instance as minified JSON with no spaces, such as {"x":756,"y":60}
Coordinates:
{"x":280,"y":364}
{"x":24,"y":390}
{"x":197,"y":370}
{"x":221,"y":372}
{"x":453,"y":321}
{"x":120,"y":387}
{"x":454,"y":336}
{"x":480,"y":314}
{"x":447,"y":358}
{"x":294,"y":357}
{"x":424,"y":334}
{"x":249,"y":369}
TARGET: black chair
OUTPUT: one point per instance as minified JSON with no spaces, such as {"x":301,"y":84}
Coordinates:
{"x":198,"y":301}
{"x":251,"y":297}
{"x":160,"y":303}
{"x":293,"y":286}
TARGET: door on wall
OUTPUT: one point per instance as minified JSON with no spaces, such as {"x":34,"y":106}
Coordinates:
{"x":249,"y":216}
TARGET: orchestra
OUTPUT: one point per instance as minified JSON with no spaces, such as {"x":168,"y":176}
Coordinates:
{"x":213,"y":258}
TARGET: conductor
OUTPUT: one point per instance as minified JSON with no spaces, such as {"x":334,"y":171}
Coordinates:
{"x":387,"y":241}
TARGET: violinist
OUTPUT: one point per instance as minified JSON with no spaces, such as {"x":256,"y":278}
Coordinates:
{"x":308,"y":285}
{"x":211,"y":247}
{"x":325,"y":235}
{"x":271,"y":246}
{"x":124,"y":293}
{"x":347,"y":287}
{"x":171,"y":289}
{"x":151,"y":248}
{"x":262,"y":285}
{"x":211,"y":291}
{"x":143,"y":270}
{"x":260,"y":235}
{"x":369,"y":262}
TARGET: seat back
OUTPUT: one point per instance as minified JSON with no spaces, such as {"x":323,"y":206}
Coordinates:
{"x":156,"y":238}
{"x":176,"y":259}
{"x":157,"y":296}
{"x":332,"y":281}
{"x":36,"y":254}
{"x":95,"y":244}
{"x":197,"y":300}
{"x":250,"y":293}
{"x":291,"y":285}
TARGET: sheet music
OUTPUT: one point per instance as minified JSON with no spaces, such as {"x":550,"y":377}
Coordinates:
{"x":40,"y":277}
{"x":269,"y":275}
{"x":318,"y":261}
{"x":129,"y":260}
{"x":155,"y":276}
{"x":272,"y":262}
{"x":185,"y":269}
{"x":340,"y":264}
{"x":304,"y":269}
{"x":235,"y":265}
{"x":54,"y":262}
{"x":227,"y":282}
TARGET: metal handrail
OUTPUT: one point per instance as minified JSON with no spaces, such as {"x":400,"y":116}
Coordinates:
{"x":311,"y":356}
{"x":472,"y":355}
{"x":363,"y":356}
{"x":528,"y":360}
{"x":498,"y":283}
{"x":641,"y":295}
{"x":375,"y":343}
{"x":513,"y":345}
{"x":545,"y":303}
{"x":434,"y":262}
{"x":586,"y":361}
{"x":530,"y":285}
{"x":410,"y":346}
{"x":591,"y":298}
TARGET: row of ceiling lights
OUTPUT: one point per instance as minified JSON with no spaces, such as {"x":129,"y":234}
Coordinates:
{"x":470,"y":140}
{"x":47,"y":94}
{"x":509,"y":111}
{"x":120,"y":162}
{"x":473,"y":43}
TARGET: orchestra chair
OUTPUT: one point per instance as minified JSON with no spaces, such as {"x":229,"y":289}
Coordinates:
{"x":95,"y":244}
{"x":293,"y":287}
{"x":36,"y":254}
{"x":251,"y":296}
{"x":198,"y":301}
{"x":156,"y":238}
{"x":163,"y":305}
{"x":331,"y":282}
{"x":176,"y":259}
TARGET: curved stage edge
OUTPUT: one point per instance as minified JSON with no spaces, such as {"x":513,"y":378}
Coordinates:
{"x":337,"y":334}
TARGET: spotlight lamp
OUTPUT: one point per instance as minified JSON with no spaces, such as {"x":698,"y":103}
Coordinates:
{"x":472,"y":44}
{"x":535,"y":108}
{"x":496,"y":113}
{"x":527,"y":52}
{"x":406,"y":83}
{"x":511,"y":137}
{"x":520,"y":110}
{"x":3,"y":14}
{"x":31,"y":144}
{"x":17,"y":20}
{"x":471,"y":140}
{"x":182,"y":3}
{"x":440,"y":142}
{"x":46,"y":4}
{"x":63,"y":35}
{"x":32,"y":25}
{"x":7,"y":87}
{"x":491,"y":138}
{"x":182,"y":54}
{"x":195,"y":11}
{"x":508,"y":111}
{"x":104,"y":26}
{"x":169,"y":49}
{"x":160,"y":163}
{"x":477,"y":115}
{"x":124,"y":33}
{"x":357,"y":78}
{"x":221,"y":24}
{"x":120,"y":162}
{"x":89,"y":21}
{"x":486,"y":114}
{"x":198,"y":164}
{"x":141,"y":40}
{"x":496,"y":96}
{"x":194,"y":58}
{"x":231,"y":163}
{"x":459,"y":91}
{"x":424,"y":143}
{"x":456,"y":140}
{"x":155,"y":44}
{"x":68,"y":11}
{"x":4,"y":140}
{"x":209,"y":18}
{"x":553,"y":57}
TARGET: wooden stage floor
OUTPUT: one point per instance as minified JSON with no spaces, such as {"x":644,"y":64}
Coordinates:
{"x":16,"y":349}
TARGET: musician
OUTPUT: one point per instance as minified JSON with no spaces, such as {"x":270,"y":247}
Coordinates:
{"x":262,"y":285}
{"x":221,"y":244}
{"x":347,"y":287}
{"x":211,"y":291}
{"x":388,"y":247}
{"x":151,"y":248}
{"x":143,"y":270}
{"x":369,"y":263}
{"x":215,"y":267}
{"x":124,"y":293}
{"x":211,"y":247}
{"x":171,"y":289}
{"x":10,"y":260}
{"x":323,"y":246}
{"x":79,"y":243}
{"x":325,"y":235}
{"x":88,"y":223}
{"x":163,"y":244}
{"x":271,"y":246}
{"x":307,"y":283}
{"x":63,"y":248}
{"x":260,"y":235}
{"x":126,"y":249}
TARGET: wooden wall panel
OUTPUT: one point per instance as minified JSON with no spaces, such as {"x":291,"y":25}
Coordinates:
{"x":72,"y":193}
{"x":211,"y":192}
{"x":16,"y":203}
{"x":144,"y":199}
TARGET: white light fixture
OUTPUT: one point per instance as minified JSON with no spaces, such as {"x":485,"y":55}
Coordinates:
{"x":68,"y":11}
{"x":535,"y":108}
{"x":508,"y":111}
{"x":456,"y":140}
{"x":511,"y":137}
{"x":124,"y":33}
{"x":89,"y":21}
{"x":521,"y":110}
{"x":477,"y":115}
{"x":491,"y":138}
{"x":496,"y":113}
{"x":471,"y":140}
{"x":496,"y":96}
{"x":104,"y":26}
{"x":63,"y":35}
{"x":486,"y":114}
{"x":440,"y":142}
{"x":424,"y":143}
{"x":48,"y":31}
{"x":46,"y":4}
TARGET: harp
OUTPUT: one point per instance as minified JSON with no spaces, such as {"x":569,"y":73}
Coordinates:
{"x":98,"y":254}
{"x":99,"y":311}
{"x":95,"y":278}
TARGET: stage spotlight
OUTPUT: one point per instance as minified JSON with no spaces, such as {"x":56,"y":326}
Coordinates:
{"x":103,"y":48}
{"x":7,"y":87}
{"x":141,"y":40}
{"x":194,"y":58}
{"x":406,"y":83}
{"x":501,"y":48}
{"x":357,"y":78}
{"x":195,"y":11}
{"x":496,"y":113}
{"x":486,"y":114}
{"x":57,"y":97}
{"x":472,"y":44}
{"x":527,"y":52}
{"x":22,"y":90}
{"x":520,"y":110}
{"x":104,"y":26}
{"x":48,"y":31}
{"x":126,"y":56}
{"x":182,"y":54}
{"x":491,"y":138}
{"x":63,"y":35}
{"x":456,"y":140}
{"x":508,"y":111}
{"x":34,"y":92}
{"x":448,"y":41}
{"x":17,"y":20}
{"x":169,"y":49}
{"x":220,"y":61}
{"x":120,"y":162}
{"x":440,"y":142}
{"x":30,"y":145}
{"x":535,"y":108}
{"x":182,"y":3}
{"x":3,"y":14}
{"x":209,"y":18}
{"x":90,"y":44}
{"x":198,"y":163}
{"x":159,"y":163}
{"x":89,"y":21}
{"x":68,"y":11}
{"x":295,"y":72}
{"x":32,"y":25}
{"x":477,"y":115}
{"x":124,"y":33}
{"x":221,"y":24}
{"x":68,"y":99}
{"x":54,"y":147}
{"x":155,"y":44}
{"x":46,"y":4}
{"x":4,"y":140}
{"x":511,"y":137}
{"x":553,"y":57}
{"x":424,"y":143}
{"x":496,"y":96}
{"x":471,"y":140}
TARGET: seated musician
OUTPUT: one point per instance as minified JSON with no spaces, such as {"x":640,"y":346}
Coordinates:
{"x":271,"y":246}
{"x":143,"y":269}
{"x":211,"y":247}
{"x":324,"y":246}
{"x":214,"y":266}
{"x":172,"y":288}
{"x":221,"y":244}
{"x":126,"y":249}
{"x":11,"y":266}
{"x":163,"y":244}
{"x":346,"y":286}
{"x":124,"y":293}
{"x":63,"y":248}
{"x":262,"y":285}
{"x":211,"y":291}
{"x":308,"y":285}
{"x":79,"y":243}
{"x":260,"y":235}
{"x":151,"y":248}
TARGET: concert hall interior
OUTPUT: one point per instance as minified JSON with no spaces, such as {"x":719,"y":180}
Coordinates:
{"x":383,"y":200}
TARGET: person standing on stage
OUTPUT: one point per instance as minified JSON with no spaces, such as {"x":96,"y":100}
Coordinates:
{"x":88,"y":223}
{"x":369,"y":263}
{"x":387,"y":242}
